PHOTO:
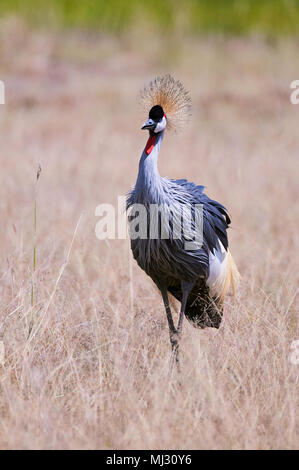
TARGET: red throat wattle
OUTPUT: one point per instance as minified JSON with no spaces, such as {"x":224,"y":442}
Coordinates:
{"x":150,"y":144}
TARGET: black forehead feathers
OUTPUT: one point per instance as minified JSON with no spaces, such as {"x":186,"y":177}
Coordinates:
{"x":156,"y":113}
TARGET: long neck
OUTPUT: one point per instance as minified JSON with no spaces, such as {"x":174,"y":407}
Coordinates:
{"x":148,"y":187}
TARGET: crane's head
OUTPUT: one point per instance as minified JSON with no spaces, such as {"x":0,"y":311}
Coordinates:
{"x":169,"y":103}
{"x":156,"y":120}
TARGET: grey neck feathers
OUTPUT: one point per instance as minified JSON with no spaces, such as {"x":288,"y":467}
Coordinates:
{"x":149,"y":187}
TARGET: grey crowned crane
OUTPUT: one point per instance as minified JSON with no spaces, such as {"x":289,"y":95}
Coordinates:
{"x":199,"y":277}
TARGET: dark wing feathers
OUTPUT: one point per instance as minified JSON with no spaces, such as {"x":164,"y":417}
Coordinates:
{"x":202,"y":310}
{"x":215,"y":216}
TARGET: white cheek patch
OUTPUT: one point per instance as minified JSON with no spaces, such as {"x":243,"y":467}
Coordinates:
{"x":161,"y":125}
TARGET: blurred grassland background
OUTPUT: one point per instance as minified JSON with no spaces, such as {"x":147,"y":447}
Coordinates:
{"x":84,"y":360}
{"x":268,"y":17}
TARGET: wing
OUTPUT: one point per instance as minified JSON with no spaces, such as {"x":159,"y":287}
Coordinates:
{"x":216,"y":219}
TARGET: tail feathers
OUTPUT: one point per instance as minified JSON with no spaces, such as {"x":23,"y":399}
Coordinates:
{"x":229,"y":280}
{"x":235,"y":276}
{"x":204,"y":311}
{"x":201,"y":310}
{"x":205,"y":304}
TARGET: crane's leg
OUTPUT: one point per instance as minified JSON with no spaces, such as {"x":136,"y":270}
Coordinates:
{"x":172,"y":330}
{"x":186,"y":289}
{"x":176,"y":333}
{"x":173,"y":335}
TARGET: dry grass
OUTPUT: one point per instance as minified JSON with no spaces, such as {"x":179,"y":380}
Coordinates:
{"x":93,"y":373}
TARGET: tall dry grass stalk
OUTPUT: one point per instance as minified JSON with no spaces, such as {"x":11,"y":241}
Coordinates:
{"x":34,"y":248}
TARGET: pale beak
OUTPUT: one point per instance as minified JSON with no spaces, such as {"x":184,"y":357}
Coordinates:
{"x":149,"y":124}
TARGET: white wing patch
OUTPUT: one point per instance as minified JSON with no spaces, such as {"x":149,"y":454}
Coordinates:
{"x":218,"y":270}
{"x":224,"y":274}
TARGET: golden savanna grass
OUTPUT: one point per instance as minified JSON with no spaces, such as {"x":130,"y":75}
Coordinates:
{"x":86,"y":360}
